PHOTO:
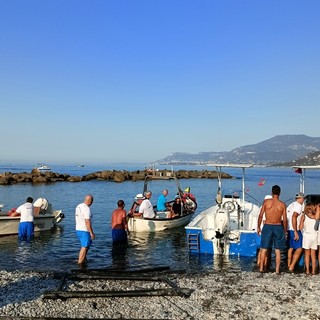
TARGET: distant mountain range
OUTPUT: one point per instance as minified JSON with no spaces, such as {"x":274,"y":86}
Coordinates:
{"x":280,"y":150}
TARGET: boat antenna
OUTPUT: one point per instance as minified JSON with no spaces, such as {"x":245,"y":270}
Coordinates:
{"x":219,"y":193}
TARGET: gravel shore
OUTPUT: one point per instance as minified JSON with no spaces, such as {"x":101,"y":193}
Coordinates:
{"x":219,"y":295}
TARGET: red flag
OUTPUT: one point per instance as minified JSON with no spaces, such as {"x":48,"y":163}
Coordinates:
{"x":298,"y":170}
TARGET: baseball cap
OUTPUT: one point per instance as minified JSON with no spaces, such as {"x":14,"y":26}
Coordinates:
{"x":299,"y":195}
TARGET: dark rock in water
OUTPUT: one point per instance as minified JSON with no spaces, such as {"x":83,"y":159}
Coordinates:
{"x":37,"y":176}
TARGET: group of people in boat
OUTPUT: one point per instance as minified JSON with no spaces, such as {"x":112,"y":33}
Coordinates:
{"x":295,"y":228}
{"x":142,"y":206}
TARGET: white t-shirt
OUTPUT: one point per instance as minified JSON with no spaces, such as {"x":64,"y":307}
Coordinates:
{"x":82,"y":213}
{"x":294,"y":207}
{"x":26,"y":212}
{"x":146,"y":209}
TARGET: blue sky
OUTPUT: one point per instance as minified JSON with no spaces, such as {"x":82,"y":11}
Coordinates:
{"x":133,"y":81}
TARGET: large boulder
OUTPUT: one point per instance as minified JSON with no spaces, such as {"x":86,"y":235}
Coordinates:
{"x":119,"y":177}
{"x":74,"y":179}
{"x":39,"y":179}
{"x":6,"y":178}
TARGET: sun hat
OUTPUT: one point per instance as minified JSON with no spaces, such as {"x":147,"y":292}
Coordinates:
{"x":299,"y":195}
{"x":139,"y":196}
{"x":268,"y":196}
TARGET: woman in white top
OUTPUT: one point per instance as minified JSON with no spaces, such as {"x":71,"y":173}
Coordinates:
{"x":310,"y":238}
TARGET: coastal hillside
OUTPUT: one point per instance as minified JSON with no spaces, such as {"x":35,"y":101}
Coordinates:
{"x":278,"y":150}
{"x":311,"y":159}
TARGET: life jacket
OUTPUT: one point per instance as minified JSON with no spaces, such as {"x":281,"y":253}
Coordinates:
{"x":12,"y":211}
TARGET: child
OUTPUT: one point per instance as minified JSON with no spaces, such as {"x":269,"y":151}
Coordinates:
{"x":310,"y":238}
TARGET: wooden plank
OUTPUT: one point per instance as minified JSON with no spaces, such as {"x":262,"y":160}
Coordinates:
{"x":185,"y":292}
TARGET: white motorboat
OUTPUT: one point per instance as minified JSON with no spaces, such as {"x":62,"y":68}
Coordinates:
{"x":229,"y":226}
{"x":42,"y":167}
{"x":162,"y":221}
{"x":45,"y":220}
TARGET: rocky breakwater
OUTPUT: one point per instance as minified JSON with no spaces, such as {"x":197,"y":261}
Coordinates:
{"x":37,"y":176}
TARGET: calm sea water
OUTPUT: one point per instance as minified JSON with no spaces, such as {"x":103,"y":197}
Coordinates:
{"x":58,"y":249}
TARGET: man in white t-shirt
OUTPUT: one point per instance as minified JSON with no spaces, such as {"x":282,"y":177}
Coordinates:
{"x":84,"y":229}
{"x":146,"y":208}
{"x":294,"y":240}
{"x":26,"y":225}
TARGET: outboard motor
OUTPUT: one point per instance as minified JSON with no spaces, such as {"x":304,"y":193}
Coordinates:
{"x":221,"y":222}
{"x":222,"y":226}
{"x":41,"y":206}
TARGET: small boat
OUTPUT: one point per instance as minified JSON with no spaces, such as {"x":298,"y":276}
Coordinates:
{"x":162,"y":221}
{"x":156,"y":174}
{"x":229,"y":226}
{"x":42,"y":167}
{"x":45,"y":220}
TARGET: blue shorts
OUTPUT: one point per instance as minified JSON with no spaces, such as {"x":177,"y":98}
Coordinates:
{"x":119,"y":236}
{"x":294,"y":244}
{"x":273,"y":234}
{"x":85,"y":239}
{"x":26,"y":231}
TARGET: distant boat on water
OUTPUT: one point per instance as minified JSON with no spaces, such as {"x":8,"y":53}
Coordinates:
{"x":42,"y":167}
{"x":81,"y":165}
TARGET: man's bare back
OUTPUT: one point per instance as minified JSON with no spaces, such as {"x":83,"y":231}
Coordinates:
{"x":275,"y":211}
{"x":118,"y":219}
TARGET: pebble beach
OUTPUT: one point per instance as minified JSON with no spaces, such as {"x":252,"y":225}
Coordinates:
{"x":219,"y":295}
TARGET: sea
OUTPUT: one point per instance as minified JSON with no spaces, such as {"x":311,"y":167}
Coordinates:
{"x":57,"y":250}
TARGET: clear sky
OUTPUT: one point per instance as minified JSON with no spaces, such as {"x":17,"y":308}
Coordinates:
{"x":135,"y":80}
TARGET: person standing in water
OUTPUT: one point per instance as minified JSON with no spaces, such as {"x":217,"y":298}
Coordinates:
{"x":119,"y":224}
{"x":83,"y":217}
{"x":275,"y":228}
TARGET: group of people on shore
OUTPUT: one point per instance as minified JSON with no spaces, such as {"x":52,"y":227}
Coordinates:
{"x":294,"y":228}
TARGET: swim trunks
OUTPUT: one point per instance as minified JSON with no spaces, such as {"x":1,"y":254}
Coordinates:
{"x":119,"y":236}
{"x":273,"y":234}
{"x":85,"y":239}
{"x":294,"y":244}
{"x":26,"y":230}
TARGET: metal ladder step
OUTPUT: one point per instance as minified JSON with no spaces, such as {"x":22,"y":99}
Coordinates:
{"x":193,"y":241}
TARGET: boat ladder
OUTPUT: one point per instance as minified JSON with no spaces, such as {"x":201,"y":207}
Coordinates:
{"x":193,"y":242}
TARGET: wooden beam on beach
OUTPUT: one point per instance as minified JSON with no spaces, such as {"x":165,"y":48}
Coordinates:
{"x":116,"y":270}
{"x":182,"y":292}
{"x":116,"y":277}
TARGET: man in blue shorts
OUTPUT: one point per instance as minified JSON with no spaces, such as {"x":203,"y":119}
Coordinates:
{"x":294,"y":213}
{"x":26,"y":225}
{"x":84,"y":227}
{"x":119,"y":224}
{"x":274,"y":228}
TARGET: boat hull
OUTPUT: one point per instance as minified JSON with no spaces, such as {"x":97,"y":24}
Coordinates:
{"x":247,"y":246}
{"x":9,"y":225}
{"x":138,"y":224}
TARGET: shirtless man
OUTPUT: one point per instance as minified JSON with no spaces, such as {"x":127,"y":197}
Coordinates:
{"x":275,"y":228}
{"x":119,"y":224}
